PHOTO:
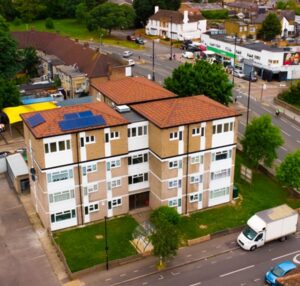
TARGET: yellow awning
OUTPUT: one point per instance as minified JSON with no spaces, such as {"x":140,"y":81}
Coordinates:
{"x":13,"y":113}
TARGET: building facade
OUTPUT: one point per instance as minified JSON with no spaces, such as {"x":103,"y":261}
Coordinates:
{"x":90,"y":161}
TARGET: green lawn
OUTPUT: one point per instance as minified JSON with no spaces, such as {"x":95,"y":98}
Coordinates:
{"x":82,"y":248}
{"x":75,"y":30}
{"x":263,"y":193}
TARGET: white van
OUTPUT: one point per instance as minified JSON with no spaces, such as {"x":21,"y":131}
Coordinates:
{"x":187,"y":55}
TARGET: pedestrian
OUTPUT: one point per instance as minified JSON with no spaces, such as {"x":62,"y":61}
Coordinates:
{"x":174,"y":57}
{"x":235,"y":99}
{"x":277,"y":112}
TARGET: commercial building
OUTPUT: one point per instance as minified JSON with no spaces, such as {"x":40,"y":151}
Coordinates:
{"x":91,"y":160}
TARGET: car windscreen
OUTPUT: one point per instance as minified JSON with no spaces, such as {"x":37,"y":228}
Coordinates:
{"x":249,"y":233}
{"x":277,"y":271}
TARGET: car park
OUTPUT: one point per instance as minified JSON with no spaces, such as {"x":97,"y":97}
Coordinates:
{"x":279,"y":270}
{"x":127,"y":54}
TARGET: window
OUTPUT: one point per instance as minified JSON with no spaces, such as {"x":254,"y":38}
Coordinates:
{"x":57,"y":146}
{"x":53,"y":147}
{"x":139,"y":178}
{"x":61,"y":196}
{"x":89,"y":169}
{"x":174,"y":184}
{"x":202,"y":131}
{"x":60,"y":176}
{"x":222,"y":127}
{"x":198,"y":159}
{"x":173,"y":135}
{"x":176,"y":164}
{"x":222,"y":155}
{"x":174,"y":203}
{"x":226,"y":127}
{"x":218,"y":193}
{"x":137,"y":159}
{"x":114,"y":203}
{"x":196,"y":131}
{"x":220,"y":174}
{"x":90,"y":189}
{"x":89,"y":139}
{"x":114,"y":184}
{"x":91,"y":208}
{"x":63,"y":216}
{"x":196,"y":197}
{"x":113,"y":164}
{"x":195,"y":179}
{"x":114,"y":135}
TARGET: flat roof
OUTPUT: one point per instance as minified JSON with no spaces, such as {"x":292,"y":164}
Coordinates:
{"x":17,"y":165}
{"x":132,"y":116}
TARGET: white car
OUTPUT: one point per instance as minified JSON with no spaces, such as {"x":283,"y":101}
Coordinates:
{"x":131,"y":62}
{"x":127,"y":54}
{"x":238,"y":73}
{"x":187,"y":55}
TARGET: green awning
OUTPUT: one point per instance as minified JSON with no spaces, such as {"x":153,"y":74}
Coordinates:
{"x":221,"y":52}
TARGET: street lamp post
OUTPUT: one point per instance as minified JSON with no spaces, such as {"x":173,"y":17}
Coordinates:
{"x":235,"y":36}
{"x":106,"y":246}
{"x":249,"y":90}
{"x":171,"y":52}
{"x":153,"y":74}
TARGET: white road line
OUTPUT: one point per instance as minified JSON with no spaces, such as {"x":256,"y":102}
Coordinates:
{"x":198,"y":283}
{"x":265,"y":109}
{"x":107,"y":279}
{"x":137,"y":270}
{"x":284,"y":149}
{"x":285,"y":121}
{"x":295,"y":128}
{"x":160,"y":277}
{"x":285,"y":133}
{"x":175,"y":273}
{"x":291,"y":253}
{"x":122,"y":275}
{"x":238,"y":270}
{"x":298,"y":141}
{"x":257,"y":280}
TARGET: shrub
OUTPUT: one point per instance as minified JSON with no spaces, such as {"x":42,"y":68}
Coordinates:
{"x":17,"y":21}
{"x":49,"y":23}
{"x":215,"y":14}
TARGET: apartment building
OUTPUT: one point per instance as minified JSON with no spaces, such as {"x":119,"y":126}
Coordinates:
{"x":89,"y":161}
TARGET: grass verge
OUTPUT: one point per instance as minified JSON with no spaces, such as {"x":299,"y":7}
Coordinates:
{"x":85,"y":247}
{"x":263,"y":193}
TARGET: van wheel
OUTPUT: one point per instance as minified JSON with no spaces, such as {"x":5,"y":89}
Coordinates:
{"x":282,"y":238}
{"x":253,"y":248}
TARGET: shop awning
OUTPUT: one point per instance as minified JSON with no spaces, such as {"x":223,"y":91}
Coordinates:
{"x":13,"y":113}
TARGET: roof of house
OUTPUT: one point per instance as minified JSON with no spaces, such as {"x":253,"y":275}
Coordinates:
{"x":290,"y":279}
{"x":242,"y":5}
{"x":289,"y":15}
{"x":131,"y":90}
{"x":89,"y":61}
{"x":52,"y":118}
{"x":177,"y":17}
{"x":185,"y":110}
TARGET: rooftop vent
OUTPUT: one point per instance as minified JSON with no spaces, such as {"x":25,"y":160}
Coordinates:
{"x":122,"y":108}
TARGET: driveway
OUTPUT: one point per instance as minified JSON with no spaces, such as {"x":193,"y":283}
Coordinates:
{"x":22,"y":259}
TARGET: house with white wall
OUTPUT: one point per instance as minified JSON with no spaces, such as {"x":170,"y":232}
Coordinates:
{"x":175,"y":25}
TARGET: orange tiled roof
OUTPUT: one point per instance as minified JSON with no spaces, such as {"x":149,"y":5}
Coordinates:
{"x":70,"y":52}
{"x":131,"y":90}
{"x":52,"y":118}
{"x":184,"y":110}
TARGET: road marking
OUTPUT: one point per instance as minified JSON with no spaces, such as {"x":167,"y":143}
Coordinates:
{"x":175,"y":273}
{"x":285,"y":133}
{"x":160,"y":277}
{"x":137,"y":270}
{"x":198,"y":283}
{"x":284,"y":149}
{"x":107,"y":279}
{"x":145,"y":283}
{"x":285,"y":121}
{"x":189,"y":255}
{"x":238,"y":270}
{"x":122,"y":275}
{"x":279,"y":257}
{"x":36,"y":257}
{"x":296,"y":260}
{"x":257,"y":280}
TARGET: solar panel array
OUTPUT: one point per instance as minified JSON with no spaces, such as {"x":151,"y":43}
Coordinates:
{"x":80,"y":120}
{"x":35,"y":120}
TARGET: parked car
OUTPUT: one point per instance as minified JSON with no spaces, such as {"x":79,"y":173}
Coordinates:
{"x":253,"y":78}
{"x":192,"y":48}
{"x":127,"y":54}
{"x":238,"y":73}
{"x":131,"y":38}
{"x":131,"y":62}
{"x":140,"y":41}
{"x":279,"y":270}
{"x":185,"y":44}
{"x":187,"y":55}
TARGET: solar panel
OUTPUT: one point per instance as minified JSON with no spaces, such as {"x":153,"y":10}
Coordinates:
{"x":87,"y":113}
{"x":73,"y":115}
{"x":35,"y":120}
{"x":82,"y":122}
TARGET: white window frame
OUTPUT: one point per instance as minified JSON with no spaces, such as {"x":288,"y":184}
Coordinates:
{"x":47,"y":146}
{"x":220,"y":174}
{"x":113,"y":164}
{"x":144,"y":176}
{"x":61,"y":196}
{"x":92,"y":188}
{"x":220,"y":153}
{"x":90,"y":139}
{"x":68,"y":173}
{"x":114,"y":184}
{"x":72,"y":213}
{"x":114,"y":135}
{"x":93,"y":207}
{"x":196,"y":159}
{"x":195,"y":197}
{"x":116,"y":202}
{"x":175,"y":164}
{"x":213,"y":194}
{"x":173,"y":136}
{"x":176,"y":183}
{"x":196,"y":179}
{"x":196,"y":131}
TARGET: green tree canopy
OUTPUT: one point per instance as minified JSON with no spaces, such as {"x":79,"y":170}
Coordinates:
{"x":261,"y":139}
{"x":110,"y":16}
{"x":165,"y":239}
{"x":289,"y":170}
{"x":145,"y":8}
{"x":30,"y":61}
{"x":292,"y":95}
{"x":201,"y":78}
{"x":271,"y":27}
{"x":9,"y":93}
{"x":30,"y":10}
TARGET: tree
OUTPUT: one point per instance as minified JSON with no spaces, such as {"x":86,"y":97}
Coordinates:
{"x":289,"y":170}
{"x":30,"y":61}
{"x":7,"y":9}
{"x":81,"y":12}
{"x":110,"y":16}
{"x":49,"y":23}
{"x":145,"y":8}
{"x":9,"y":93}
{"x":261,"y":139}
{"x":271,"y":27}
{"x":30,"y":10}
{"x":165,"y":239}
{"x":201,"y":78}
{"x":292,"y":94}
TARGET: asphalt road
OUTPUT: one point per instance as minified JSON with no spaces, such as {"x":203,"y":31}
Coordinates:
{"x":237,"y":268}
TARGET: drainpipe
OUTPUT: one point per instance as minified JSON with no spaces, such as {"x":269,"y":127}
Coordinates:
{"x":79,"y":181}
{"x":187,"y":170}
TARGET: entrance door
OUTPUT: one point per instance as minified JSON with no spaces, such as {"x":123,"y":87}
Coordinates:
{"x":138,"y":200}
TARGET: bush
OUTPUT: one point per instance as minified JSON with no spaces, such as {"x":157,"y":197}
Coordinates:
{"x":292,"y":94}
{"x":49,"y":23}
{"x":165,"y":213}
{"x":215,"y":14}
{"x":17,"y":21}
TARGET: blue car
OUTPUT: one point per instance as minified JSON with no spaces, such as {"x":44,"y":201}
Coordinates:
{"x":279,"y":270}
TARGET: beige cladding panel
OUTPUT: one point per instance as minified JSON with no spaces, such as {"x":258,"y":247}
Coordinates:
{"x":95,"y":150}
{"x":155,"y":186}
{"x":121,"y":190}
{"x":155,"y":165}
{"x":192,"y":206}
{"x":155,"y":139}
{"x":206,"y":180}
{"x":207,"y":161}
{"x":205,"y":198}
{"x":236,"y":126}
{"x":122,"y":170}
{"x":38,"y":150}
{"x":208,"y":135}
{"x":169,"y":147}
{"x":74,"y":145}
{"x":119,"y":146}
{"x":194,"y":141}
{"x":123,"y":209}
{"x":98,"y":215}
{"x":154,"y":202}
